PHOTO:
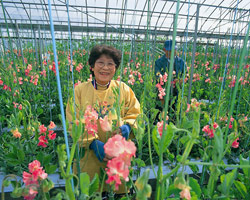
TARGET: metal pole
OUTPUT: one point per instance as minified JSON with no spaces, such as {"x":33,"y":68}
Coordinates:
{"x":193,"y":53}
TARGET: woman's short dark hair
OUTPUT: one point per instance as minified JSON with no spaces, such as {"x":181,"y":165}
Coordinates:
{"x":99,"y":50}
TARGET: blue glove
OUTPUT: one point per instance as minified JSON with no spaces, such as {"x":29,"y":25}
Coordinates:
{"x":97,"y":147}
{"x":125,"y":130}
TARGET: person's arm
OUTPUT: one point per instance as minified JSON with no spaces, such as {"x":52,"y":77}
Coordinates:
{"x":130,"y":111}
{"x":85,"y":139}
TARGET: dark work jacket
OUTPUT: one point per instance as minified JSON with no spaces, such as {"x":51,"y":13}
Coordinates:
{"x":163,"y":62}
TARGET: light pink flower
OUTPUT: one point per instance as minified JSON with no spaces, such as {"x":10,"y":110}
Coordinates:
{"x":20,"y":107}
{"x":32,"y":193}
{"x":185,"y":193}
{"x":117,"y":169}
{"x":117,"y":145}
{"x":160,"y":127}
{"x":105,"y":124}
{"x":28,"y":179}
{"x":91,"y":117}
{"x":215,"y":125}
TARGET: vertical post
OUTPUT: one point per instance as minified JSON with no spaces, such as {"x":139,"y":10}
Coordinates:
{"x":19,"y":41}
{"x":193,"y":53}
{"x":40,"y":45}
{"x":106,"y":19}
{"x":34,"y":33}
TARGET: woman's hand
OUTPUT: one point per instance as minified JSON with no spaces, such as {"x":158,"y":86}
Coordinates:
{"x":107,"y":158}
{"x":117,"y":131}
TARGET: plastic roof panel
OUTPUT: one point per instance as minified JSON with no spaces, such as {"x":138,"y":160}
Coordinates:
{"x":215,"y":16}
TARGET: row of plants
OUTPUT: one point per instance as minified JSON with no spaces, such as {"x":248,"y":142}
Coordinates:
{"x":30,"y":109}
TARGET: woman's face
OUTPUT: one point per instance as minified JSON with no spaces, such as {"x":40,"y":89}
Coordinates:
{"x":104,"y":69}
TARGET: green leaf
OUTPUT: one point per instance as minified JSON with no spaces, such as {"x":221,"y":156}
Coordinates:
{"x":193,"y":183}
{"x":139,"y":162}
{"x":155,"y":140}
{"x":241,"y":188}
{"x":40,"y":157}
{"x":169,"y":136}
{"x":184,"y":139}
{"x":50,"y":169}
{"x":11,"y":156}
{"x":94,"y":185}
{"x":244,"y":161}
{"x":84,"y":183}
{"x":39,"y":111}
{"x":143,"y":188}
{"x":20,"y":154}
{"x":172,"y":190}
{"x":47,"y":159}
{"x":194,"y":168}
{"x":218,"y":146}
{"x":6,"y":183}
{"x":227,"y":182}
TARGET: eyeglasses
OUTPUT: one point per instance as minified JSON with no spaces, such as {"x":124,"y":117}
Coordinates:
{"x":101,"y":64}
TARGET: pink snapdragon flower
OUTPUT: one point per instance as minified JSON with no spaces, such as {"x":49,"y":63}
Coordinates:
{"x":42,"y":141}
{"x":42,"y":129}
{"x":210,"y":131}
{"x":91,"y":117}
{"x":52,"y":125}
{"x":160,"y":127}
{"x":118,"y":145}
{"x":52,"y":135}
{"x":235,"y":143}
{"x":118,"y":167}
{"x":185,"y":193}
{"x":31,"y":180}
{"x":105,"y":124}
{"x":16,"y":133}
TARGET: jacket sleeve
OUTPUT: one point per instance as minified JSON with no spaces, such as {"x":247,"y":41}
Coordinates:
{"x":131,"y":107}
{"x":85,"y":139}
{"x":157,"y":68}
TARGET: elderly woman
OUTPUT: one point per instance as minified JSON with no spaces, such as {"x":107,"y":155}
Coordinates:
{"x":99,"y":93}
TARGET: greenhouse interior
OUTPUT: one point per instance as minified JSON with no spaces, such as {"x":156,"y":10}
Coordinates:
{"x":124,"y":99}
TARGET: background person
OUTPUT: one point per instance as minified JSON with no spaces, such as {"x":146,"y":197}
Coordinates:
{"x":162,"y":65}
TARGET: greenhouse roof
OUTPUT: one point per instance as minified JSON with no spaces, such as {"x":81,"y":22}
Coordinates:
{"x":216,"y":18}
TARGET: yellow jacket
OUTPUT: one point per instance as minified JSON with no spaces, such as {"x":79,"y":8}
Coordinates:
{"x":86,"y":94}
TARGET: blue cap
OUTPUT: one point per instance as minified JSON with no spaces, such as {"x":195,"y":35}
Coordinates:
{"x":168,"y":45}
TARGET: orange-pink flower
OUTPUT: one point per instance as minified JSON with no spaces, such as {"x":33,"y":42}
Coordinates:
{"x":16,"y":133}
{"x":105,"y":124}
{"x":52,"y":125}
